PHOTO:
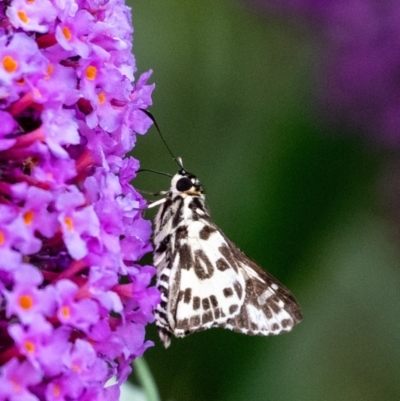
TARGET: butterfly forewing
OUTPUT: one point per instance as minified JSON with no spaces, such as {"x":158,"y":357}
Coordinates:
{"x":205,"y":280}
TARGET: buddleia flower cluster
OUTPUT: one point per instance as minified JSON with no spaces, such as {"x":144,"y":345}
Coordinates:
{"x":74,"y":301}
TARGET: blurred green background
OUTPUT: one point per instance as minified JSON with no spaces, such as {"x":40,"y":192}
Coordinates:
{"x":234,"y":99}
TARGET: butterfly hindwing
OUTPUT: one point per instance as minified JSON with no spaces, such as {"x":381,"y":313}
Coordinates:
{"x":268,"y":308}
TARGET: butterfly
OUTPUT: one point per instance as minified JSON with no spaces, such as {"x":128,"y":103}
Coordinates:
{"x":204,"y":279}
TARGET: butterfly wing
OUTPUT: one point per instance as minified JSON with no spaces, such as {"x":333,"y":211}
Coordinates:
{"x":204,"y":287}
{"x":206,"y":281}
{"x":268,"y":308}
{"x":213,"y":284}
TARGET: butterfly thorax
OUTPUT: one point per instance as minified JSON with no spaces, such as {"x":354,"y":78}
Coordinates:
{"x":185,"y":188}
{"x":183,"y":205}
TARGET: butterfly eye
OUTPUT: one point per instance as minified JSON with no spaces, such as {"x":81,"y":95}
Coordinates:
{"x":184,"y":184}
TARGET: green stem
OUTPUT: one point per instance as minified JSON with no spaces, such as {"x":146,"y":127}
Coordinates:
{"x":146,"y":380}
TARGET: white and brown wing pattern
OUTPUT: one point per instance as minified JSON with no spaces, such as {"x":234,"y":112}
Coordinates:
{"x":204,"y":279}
{"x":268,"y":308}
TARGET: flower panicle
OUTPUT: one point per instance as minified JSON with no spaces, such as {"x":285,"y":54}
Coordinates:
{"x":75,"y":301}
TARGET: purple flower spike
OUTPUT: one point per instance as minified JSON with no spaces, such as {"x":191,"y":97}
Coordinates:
{"x":75,"y":301}
{"x":358,"y":78}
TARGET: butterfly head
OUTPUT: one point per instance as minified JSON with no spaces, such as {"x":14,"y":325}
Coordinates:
{"x":187,"y":183}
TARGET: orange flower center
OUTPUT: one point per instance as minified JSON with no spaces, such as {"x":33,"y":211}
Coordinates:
{"x":67,"y":33}
{"x":25,"y":302}
{"x":29,"y":346}
{"x":9,"y":64}
{"x":65,"y":311}
{"x":70,"y":223}
{"x":49,"y":71}
{"x":23,"y":17}
{"x":102,"y":97}
{"x":91,"y":72}
{"x":28,"y":217}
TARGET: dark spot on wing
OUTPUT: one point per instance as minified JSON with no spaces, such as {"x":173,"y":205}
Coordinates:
{"x":206,"y":303}
{"x":222,"y":265}
{"x":242,"y":319}
{"x":195,"y":320}
{"x":181,"y":233}
{"x":162,"y":247}
{"x":267,"y":312}
{"x":206,"y":231}
{"x":185,"y":257}
{"x":228,"y":292}
{"x":187,"y":295}
{"x":238,"y":289}
{"x":233,"y":308}
{"x":214,"y":301}
{"x":183,"y":324}
{"x":207,"y":317}
{"x":227,"y":254}
{"x":275,"y":308}
{"x":202,"y":265}
{"x":196,"y":303}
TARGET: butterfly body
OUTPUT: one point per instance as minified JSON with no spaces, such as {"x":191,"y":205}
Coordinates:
{"x":204,"y":279}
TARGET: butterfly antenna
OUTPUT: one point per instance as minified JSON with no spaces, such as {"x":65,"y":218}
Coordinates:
{"x":177,"y":160}
{"x":154,"y":171}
